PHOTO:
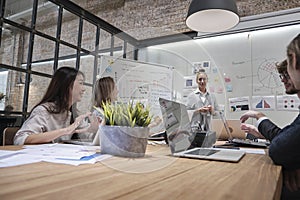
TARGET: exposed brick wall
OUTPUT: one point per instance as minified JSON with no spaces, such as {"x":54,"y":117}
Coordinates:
{"x":255,"y":7}
{"x":146,"y":19}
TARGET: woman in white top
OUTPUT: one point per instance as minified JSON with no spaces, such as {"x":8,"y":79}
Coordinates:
{"x":51,"y":120}
{"x":105,"y":90}
{"x":202,"y":102}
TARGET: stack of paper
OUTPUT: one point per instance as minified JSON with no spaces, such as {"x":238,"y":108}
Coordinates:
{"x":56,"y":153}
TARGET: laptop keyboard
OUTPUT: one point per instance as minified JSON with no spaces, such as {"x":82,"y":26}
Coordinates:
{"x":247,"y":142}
{"x":202,"y":152}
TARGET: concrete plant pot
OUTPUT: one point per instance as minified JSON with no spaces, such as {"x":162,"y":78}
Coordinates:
{"x":124,"y":141}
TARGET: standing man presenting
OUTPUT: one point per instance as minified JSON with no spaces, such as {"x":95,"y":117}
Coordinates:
{"x":202,"y":102}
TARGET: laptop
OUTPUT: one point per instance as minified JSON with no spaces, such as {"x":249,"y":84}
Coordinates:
{"x":86,"y":142}
{"x":234,"y":126}
{"x":180,"y":135}
{"x":233,"y":136}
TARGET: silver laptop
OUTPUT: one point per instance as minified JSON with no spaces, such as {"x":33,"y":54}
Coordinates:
{"x":234,"y":126}
{"x":86,"y":142}
{"x":234,"y":141}
{"x":180,"y":135}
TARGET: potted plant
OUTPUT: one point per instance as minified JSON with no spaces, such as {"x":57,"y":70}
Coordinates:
{"x":126,"y":131}
{"x":1,"y":96}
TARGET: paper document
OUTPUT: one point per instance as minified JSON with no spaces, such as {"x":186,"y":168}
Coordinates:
{"x":253,"y":150}
{"x":5,"y":153}
{"x":56,"y":153}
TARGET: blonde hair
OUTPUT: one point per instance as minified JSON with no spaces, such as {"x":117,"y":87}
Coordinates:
{"x":103,"y":90}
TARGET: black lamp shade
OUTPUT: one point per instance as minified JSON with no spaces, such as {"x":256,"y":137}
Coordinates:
{"x":212,"y":15}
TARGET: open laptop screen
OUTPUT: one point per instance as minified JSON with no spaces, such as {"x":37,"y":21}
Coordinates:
{"x":177,"y":124}
{"x":233,"y":126}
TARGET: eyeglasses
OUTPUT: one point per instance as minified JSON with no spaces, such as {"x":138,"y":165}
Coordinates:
{"x":202,"y":79}
{"x":284,"y":75}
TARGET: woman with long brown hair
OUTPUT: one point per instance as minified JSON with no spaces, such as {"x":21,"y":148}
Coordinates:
{"x":105,"y":90}
{"x":52,"y":119}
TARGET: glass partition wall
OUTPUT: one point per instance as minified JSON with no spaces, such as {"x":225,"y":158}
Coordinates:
{"x":39,"y":36}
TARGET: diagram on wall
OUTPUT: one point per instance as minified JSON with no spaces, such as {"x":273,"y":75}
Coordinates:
{"x":215,"y":83}
{"x":201,"y":65}
{"x":288,"y":102}
{"x":239,"y":104}
{"x":268,"y":75}
{"x":265,"y":76}
{"x":263,"y":102}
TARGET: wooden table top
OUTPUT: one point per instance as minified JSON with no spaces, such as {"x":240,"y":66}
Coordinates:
{"x":156,"y":176}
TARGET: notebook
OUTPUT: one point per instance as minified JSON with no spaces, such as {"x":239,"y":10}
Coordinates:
{"x":180,"y":135}
{"x":234,"y":128}
{"x":86,"y":142}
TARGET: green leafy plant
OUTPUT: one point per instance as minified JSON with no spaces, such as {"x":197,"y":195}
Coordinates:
{"x":1,"y":96}
{"x":126,"y":114}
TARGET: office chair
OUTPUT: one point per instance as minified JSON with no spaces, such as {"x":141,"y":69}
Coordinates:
{"x":9,"y":134}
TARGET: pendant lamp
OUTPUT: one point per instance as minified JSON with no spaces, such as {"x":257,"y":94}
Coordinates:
{"x":212,"y":15}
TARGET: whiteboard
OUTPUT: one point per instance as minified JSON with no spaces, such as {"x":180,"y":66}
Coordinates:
{"x":139,"y":81}
{"x":245,"y":64}
{"x":241,"y":70}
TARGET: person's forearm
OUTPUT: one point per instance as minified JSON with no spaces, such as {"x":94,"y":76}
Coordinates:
{"x":49,"y":136}
{"x":259,"y":115}
{"x":268,"y":129}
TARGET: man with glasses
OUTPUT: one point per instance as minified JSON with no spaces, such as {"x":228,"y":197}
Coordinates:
{"x":266,"y":128}
{"x":283,"y":141}
{"x":285,"y":78}
{"x":202,"y":102}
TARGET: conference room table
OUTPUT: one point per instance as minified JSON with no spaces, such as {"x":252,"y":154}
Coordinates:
{"x":155,"y":176}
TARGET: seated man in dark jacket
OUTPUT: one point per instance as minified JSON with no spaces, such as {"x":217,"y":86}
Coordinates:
{"x":284,"y":148}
